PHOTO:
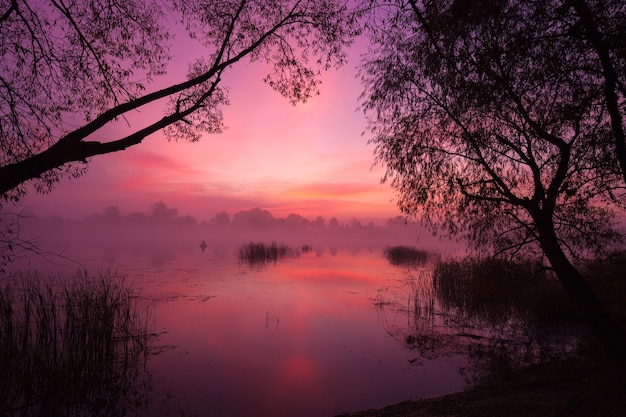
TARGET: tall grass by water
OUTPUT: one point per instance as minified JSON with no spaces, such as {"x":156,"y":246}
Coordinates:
{"x":500,"y":313}
{"x":259,"y":254}
{"x":531,"y":317}
{"x":494,"y":289}
{"x":73,"y":347}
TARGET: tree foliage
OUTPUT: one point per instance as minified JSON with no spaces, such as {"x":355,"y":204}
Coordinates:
{"x":503,"y":121}
{"x":69,"y":69}
{"x":492,"y":118}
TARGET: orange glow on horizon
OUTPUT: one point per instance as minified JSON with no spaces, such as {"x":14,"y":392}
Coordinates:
{"x":310,"y":159}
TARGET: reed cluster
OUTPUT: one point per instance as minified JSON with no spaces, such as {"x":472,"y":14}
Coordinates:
{"x":405,"y":255}
{"x":73,"y":347}
{"x":258,"y":254}
{"x":500,"y":312}
{"x":494,"y":289}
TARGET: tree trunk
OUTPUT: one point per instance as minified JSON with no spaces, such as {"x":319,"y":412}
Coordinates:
{"x":610,"y":334}
{"x":611,"y":79}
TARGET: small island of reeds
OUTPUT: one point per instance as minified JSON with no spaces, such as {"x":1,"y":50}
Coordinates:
{"x":405,"y":255}
{"x":259,"y":253}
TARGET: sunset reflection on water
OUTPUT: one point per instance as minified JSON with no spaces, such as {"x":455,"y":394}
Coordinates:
{"x":300,"y":337}
{"x":318,"y":333}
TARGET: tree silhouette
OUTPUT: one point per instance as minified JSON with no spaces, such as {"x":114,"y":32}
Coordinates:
{"x":602,"y":30}
{"x":318,"y":224}
{"x":222,"y":219}
{"x":493,"y":119}
{"x":161,"y":213}
{"x":255,"y":217}
{"x":70,"y":69}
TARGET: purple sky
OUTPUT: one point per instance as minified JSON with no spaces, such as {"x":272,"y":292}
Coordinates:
{"x":311,"y":159}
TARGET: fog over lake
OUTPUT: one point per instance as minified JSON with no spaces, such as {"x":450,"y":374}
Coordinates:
{"x":332,"y":327}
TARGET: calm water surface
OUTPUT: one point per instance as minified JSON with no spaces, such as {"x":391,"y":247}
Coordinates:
{"x":326,"y":332}
{"x":301,"y":337}
{"x":316,"y":335}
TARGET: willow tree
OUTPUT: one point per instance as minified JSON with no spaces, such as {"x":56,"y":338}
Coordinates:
{"x":69,"y":69}
{"x":494,"y":121}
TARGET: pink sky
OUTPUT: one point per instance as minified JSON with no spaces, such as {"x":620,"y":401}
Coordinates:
{"x":309,"y":159}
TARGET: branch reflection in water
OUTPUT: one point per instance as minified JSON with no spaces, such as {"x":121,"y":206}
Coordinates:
{"x":502,"y":314}
{"x":74,"y":347}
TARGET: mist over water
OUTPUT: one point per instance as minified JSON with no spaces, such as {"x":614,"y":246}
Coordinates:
{"x":329,"y":326}
{"x":161,"y":233}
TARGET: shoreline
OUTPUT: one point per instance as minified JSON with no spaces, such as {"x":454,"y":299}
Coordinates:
{"x":573,"y":387}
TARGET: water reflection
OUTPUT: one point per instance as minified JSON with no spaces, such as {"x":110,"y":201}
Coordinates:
{"x":493,"y":311}
{"x":297,"y":338}
{"x":308,"y":336}
{"x":76,"y":348}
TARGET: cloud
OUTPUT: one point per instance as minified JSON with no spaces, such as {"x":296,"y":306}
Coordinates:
{"x":309,"y":159}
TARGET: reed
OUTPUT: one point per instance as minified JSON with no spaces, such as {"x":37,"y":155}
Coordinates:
{"x":405,"y":255}
{"x":75,"y":347}
{"x":258,"y":254}
{"x":494,"y":289}
{"x":501,"y":313}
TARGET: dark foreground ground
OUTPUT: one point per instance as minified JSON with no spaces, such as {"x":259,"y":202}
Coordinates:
{"x":570,"y":388}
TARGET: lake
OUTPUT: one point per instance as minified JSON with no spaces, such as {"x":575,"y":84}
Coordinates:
{"x":328,"y":331}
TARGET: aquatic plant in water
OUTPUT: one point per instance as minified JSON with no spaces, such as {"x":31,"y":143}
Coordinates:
{"x":405,"y":255}
{"x":483,"y":308}
{"x":258,"y":254}
{"x":73,"y":347}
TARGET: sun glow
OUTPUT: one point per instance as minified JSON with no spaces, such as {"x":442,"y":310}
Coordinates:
{"x":309,"y":159}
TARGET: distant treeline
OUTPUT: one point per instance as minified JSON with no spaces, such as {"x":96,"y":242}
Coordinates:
{"x":256,"y":217}
{"x":164,"y":225}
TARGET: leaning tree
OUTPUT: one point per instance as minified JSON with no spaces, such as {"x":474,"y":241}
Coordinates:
{"x":69,"y":69}
{"x":500,"y":120}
